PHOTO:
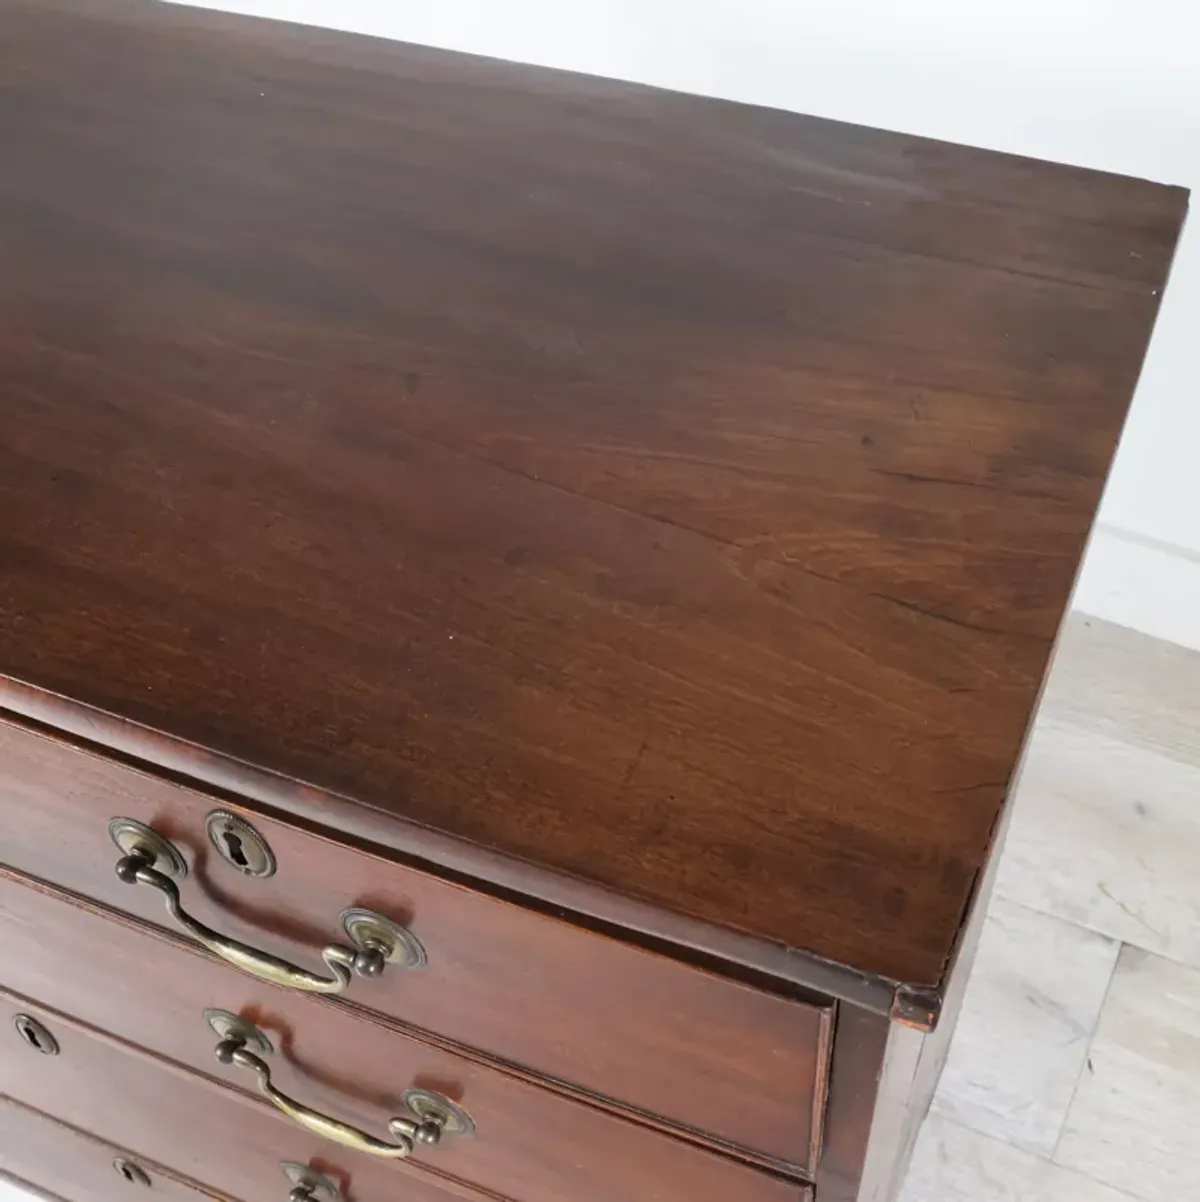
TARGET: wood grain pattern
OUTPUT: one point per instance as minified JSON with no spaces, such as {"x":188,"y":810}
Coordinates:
{"x":530,"y":1144}
{"x":738,"y":1063}
{"x":677,"y":494}
{"x":231,"y":1143}
{"x":68,"y":1163}
{"x":689,"y":940}
{"x":856,"y":1071}
{"x":118,"y":1092}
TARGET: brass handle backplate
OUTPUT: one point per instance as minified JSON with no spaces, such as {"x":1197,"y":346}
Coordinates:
{"x":308,"y":1185}
{"x":433,"y":1117}
{"x":150,"y":859}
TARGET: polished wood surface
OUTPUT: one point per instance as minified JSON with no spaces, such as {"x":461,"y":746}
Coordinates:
{"x":586,"y":905}
{"x":228,"y":1141}
{"x":233,"y":1141}
{"x":531,"y":1143}
{"x":69,"y":1164}
{"x":676,"y":494}
{"x":856,"y":1071}
{"x":739,"y":1063}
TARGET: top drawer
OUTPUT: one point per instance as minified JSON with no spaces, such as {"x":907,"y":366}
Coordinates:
{"x":691,"y":1048}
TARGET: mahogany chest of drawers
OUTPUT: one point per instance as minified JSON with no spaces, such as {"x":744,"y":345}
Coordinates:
{"x":521,"y":597}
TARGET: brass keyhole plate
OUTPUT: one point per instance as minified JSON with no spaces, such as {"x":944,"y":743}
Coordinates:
{"x":35,"y":1035}
{"x":239,"y":844}
{"x":133,"y":1173}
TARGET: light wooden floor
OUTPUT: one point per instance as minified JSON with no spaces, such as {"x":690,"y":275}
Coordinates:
{"x":1074,"y":1075}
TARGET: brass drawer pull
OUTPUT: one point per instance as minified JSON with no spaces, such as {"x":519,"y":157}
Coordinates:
{"x":433,"y":1116}
{"x":310,"y":1186}
{"x":150,"y":859}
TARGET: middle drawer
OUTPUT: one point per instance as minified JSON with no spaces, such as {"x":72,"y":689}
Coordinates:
{"x":529,"y":1143}
{"x":219,"y":1139}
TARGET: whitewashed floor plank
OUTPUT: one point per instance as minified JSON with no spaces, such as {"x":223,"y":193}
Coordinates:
{"x":952,"y":1164}
{"x":1107,"y":835}
{"x":1021,"y":1042}
{"x":1106,"y":830}
{"x":1136,"y":1115}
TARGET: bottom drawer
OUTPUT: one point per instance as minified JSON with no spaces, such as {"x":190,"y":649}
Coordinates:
{"x":231,"y":1143}
{"x":66,"y":1163}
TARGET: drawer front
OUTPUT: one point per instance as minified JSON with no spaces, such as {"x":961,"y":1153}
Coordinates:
{"x":687,"y":1046}
{"x":529,"y":1143}
{"x":65,"y":1162}
{"x":225,"y":1141}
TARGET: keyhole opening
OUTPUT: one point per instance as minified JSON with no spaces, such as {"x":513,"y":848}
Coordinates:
{"x":134,"y":1174}
{"x":239,"y":844}
{"x":36,"y":1036}
{"x":233,"y":848}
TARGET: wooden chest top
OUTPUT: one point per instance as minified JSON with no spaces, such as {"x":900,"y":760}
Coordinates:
{"x":677,"y":495}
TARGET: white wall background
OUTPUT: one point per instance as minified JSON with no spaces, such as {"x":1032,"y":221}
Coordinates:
{"x":1112,"y":84}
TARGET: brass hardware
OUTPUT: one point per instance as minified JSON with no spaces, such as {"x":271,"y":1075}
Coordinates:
{"x":395,"y":944}
{"x":433,"y":1116}
{"x":308,"y":1185}
{"x":150,"y":859}
{"x":35,"y":1035}
{"x":227,"y":1026}
{"x":432,"y":1107}
{"x":239,"y":844}
{"x":133,"y":1173}
{"x":136,"y":838}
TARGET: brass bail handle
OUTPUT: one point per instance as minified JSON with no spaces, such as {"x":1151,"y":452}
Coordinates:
{"x":151,"y":859}
{"x":431,"y":1118}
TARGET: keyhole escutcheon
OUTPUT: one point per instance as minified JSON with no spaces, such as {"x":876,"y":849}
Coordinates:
{"x":35,"y":1035}
{"x":239,"y":844}
{"x":133,"y":1173}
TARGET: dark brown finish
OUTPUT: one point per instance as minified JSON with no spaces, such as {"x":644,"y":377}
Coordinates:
{"x":566,"y":897}
{"x":675,"y":494}
{"x":229,"y":1142}
{"x":233,"y":1142}
{"x":737,"y":1063}
{"x":619,"y":535}
{"x":70,"y":1164}
{"x":883,"y":1075}
{"x":860,"y":1048}
{"x":530,"y":1143}
{"x":914,"y":1059}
